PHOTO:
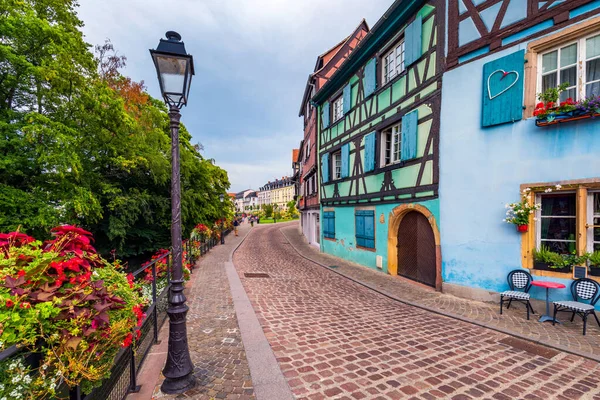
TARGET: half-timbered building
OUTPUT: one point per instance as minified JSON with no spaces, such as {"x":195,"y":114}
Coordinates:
{"x":327,"y":63}
{"x":379,"y":118}
{"x":500,"y":142}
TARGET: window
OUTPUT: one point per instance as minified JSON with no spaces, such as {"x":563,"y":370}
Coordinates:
{"x":365,"y":228}
{"x":593,"y":222}
{"x":556,"y":225}
{"x":390,"y":149}
{"x":307,"y":152}
{"x":329,"y":224}
{"x":337,"y":164}
{"x":393,"y":63}
{"x":338,"y":108}
{"x":577,"y":64}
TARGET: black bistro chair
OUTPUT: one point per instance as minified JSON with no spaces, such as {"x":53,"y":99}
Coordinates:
{"x":519,"y":282}
{"x":582,"y":290}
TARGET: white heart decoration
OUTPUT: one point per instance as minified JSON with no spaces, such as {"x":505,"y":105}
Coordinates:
{"x":504,"y":73}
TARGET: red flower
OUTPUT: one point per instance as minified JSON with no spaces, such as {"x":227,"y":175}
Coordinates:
{"x":130,"y":279}
{"x":138,"y":334}
{"x":94,"y":324}
{"x":63,"y":229}
{"x":25,"y":305}
{"x":9,"y":303}
{"x":549,"y":104}
{"x":128,"y":340}
{"x":539,"y":105}
{"x":21,"y":273}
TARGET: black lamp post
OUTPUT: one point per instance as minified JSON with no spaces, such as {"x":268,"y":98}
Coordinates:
{"x":222,"y":198}
{"x":175,"y":69}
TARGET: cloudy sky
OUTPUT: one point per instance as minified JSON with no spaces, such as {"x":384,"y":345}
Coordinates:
{"x":252,"y":59}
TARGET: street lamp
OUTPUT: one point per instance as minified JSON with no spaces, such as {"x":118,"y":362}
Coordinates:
{"x":222,"y":198}
{"x":175,"y":69}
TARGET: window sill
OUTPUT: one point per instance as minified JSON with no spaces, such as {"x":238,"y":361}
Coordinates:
{"x":366,"y":248}
{"x":330,"y":239}
{"x":564,"y":117}
{"x":560,"y":275}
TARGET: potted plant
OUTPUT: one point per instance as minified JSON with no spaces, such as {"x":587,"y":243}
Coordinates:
{"x":518,"y":213}
{"x":594,"y":259}
{"x":547,"y":260}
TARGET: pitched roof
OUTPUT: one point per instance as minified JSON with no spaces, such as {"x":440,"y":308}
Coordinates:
{"x":319,"y":66}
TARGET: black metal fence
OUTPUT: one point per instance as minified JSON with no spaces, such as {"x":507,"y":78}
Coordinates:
{"x":123,"y":375}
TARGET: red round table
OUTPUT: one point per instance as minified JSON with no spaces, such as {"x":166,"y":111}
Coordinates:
{"x":547,"y":285}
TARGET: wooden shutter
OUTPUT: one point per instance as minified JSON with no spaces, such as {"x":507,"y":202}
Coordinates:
{"x":329,"y":224}
{"x":325,"y":115}
{"x":503,"y":89}
{"x":410,"y":125}
{"x":365,"y":228}
{"x":345,"y":172}
{"x":413,"y":35}
{"x":347,"y":98}
{"x":370,"y":78}
{"x":370,"y":152}
{"x":325,"y":167}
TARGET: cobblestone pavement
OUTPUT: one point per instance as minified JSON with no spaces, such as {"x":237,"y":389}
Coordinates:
{"x":216,"y":348}
{"x":334,"y":338}
{"x":567,"y":336}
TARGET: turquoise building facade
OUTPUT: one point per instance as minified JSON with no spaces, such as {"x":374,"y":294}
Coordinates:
{"x":378,"y":140}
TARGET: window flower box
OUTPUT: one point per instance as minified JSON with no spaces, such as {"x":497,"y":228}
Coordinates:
{"x":561,"y":117}
{"x":542,"y":266}
{"x":594,"y":271}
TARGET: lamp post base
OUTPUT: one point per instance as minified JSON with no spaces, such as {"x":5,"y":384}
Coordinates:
{"x":179,"y":385}
{"x":178,"y":370}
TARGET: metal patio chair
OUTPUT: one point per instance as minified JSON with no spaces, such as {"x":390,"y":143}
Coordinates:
{"x":582,"y":290}
{"x":519,"y":282}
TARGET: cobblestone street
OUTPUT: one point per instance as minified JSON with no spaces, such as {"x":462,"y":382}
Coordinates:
{"x":334,"y":338}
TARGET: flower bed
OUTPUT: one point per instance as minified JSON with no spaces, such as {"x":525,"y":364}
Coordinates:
{"x":62,"y":301}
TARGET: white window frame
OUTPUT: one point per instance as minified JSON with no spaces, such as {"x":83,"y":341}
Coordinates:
{"x":338,"y":109}
{"x":538,"y":217}
{"x":590,"y":220}
{"x":581,"y":65}
{"x":393,"y":62}
{"x":336,"y":164}
{"x":393,"y":135}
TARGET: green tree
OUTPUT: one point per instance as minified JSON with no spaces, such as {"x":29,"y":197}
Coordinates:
{"x":82,"y":144}
{"x":292,"y":211}
{"x":268,"y":209}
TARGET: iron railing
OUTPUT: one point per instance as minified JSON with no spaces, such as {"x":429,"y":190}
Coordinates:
{"x":127,"y":363}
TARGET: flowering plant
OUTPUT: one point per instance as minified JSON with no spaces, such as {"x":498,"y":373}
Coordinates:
{"x":590,"y":105}
{"x":60,"y":299}
{"x":518,"y":213}
{"x":201,"y":232}
{"x":161,"y":264}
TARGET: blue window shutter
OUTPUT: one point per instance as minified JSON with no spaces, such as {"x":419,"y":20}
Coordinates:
{"x":503,"y":89}
{"x":347,"y":98}
{"x":325,"y":115}
{"x":370,"y":78}
{"x":370,"y":152}
{"x":410,"y":124}
{"x":332,"y":224}
{"x":360,"y":229}
{"x":325,"y":167}
{"x":370,"y":229}
{"x":413,"y":35}
{"x":345,"y":160}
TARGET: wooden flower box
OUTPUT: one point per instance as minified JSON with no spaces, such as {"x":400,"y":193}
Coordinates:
{"x":569,"y":116}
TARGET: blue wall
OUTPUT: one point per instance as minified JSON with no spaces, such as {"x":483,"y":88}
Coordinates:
{"x":481,"y":170}
{"x":344,"y":245}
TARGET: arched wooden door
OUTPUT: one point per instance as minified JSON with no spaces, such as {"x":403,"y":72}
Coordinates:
{"x":416,"y":249}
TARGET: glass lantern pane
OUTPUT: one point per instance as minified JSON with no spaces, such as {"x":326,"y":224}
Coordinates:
{"x":172,"y":73}
{"x":549,"y":61}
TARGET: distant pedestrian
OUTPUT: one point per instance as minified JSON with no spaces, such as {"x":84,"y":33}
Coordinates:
{"x":235,"y":226}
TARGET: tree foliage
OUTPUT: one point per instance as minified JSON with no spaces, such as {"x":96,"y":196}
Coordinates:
{"x":82,"y":144}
